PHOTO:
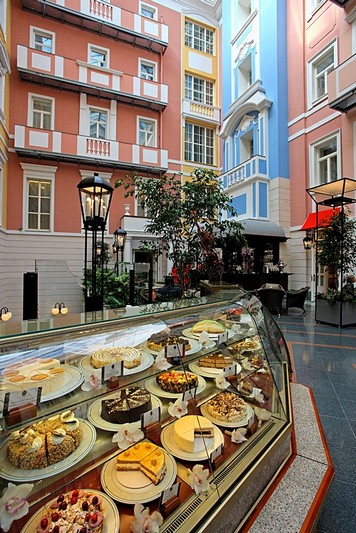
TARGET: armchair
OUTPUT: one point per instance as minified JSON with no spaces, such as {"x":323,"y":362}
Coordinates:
{"x":296,"y":298}
{"x":271,"y":298}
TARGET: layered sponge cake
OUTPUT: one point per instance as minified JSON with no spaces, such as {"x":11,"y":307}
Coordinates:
{"x":193,"y":433}
{"x":144,"y":457}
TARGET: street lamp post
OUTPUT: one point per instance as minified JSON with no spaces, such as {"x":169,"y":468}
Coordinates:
{"x":119,"y":245}
{"x":95,"y":195}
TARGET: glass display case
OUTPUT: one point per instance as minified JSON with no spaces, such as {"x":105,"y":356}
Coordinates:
{"x":182,"y":407}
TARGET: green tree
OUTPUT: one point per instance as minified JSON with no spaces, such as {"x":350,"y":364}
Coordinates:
{"x":184,"y":215}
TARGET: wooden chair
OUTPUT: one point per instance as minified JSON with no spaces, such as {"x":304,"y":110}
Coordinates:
{"x":296,"y":299}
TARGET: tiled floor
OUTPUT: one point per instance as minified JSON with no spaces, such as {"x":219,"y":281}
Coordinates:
{"x":325,"y":360}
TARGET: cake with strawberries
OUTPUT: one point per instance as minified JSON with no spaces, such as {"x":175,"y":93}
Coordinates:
{"x":78,"y":511}
{"x":177,"y":382}
{"x":45,"y":443}
{"x":144,"y":457}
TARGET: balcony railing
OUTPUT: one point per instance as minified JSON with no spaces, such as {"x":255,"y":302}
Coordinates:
{"x":342,"y":85}
{"x":107,"y":19}
{"x":57,"y":71}
{"x":256,"y":167}
{"x":59,"y":146}
{"x":205,"y":112}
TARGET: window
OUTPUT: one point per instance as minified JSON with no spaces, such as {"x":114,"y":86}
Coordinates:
{"x":319,"y":70}
{"x":98,"y":124}
{"x":199,"y":144}
{"x":245,"y":74}
{"x":246,"y":146}
{"x":199,"y":90}
{"x":42,"y":41}
{"x":199,"y":38}
{"x":39,"y":204}
{"x":148,"y":11}
{"x":243,"y":11}
{"x":147,"y":70}
{"x":98,"y":56}
{"x":42,"y":113}
{"x":146,"y":132}
{"x":326,"y":165}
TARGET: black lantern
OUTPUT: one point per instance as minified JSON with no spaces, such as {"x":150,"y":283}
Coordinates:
{"x":95,"y":195}
{"x":308,"y":242}
{"x":119,"y":245}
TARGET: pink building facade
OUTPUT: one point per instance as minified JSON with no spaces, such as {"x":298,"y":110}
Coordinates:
{"x":322,"y":113}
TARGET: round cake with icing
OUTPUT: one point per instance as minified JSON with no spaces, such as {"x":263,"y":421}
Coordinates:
{"x":212,"y":327}
{"x":45,"y":373}
{"x":177,"y":382}
{"x":227,"y":407}
{"x":78,"y":511}
{"x":193,"y":433}
{"x":45,"y":443}
{"x":129,"y":355}
{"x":158,"y":341}
{"x":127,"y":407}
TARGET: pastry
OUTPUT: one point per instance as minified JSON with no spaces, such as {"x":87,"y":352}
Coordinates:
{"x":177,"y":382}
{"x":78,"y":511}
{"x":127,"y":407}
{"x":145,"y":457}
{"x":158,"y":341}
{"x":45,"y":443}
{"x":193,"y":433}
{"x":210,"y":326}
{"x":215,"y":360}
{"x":227,"y":407}
{"x":129,"y":355}
{"x":45,"y":373}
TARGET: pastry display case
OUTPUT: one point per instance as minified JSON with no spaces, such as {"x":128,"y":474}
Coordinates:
{"x":181,"y":409}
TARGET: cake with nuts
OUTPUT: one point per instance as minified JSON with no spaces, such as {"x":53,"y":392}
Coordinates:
{"x":78,"y":511}
{"x":127,"y":407}
{"x":45,"y":443}
{"x":129,"y":355}
{"x":227,"y":407}
{"x":177,"y":382}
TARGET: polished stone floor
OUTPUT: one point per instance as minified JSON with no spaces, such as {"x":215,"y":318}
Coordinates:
{"x":325,"y":360}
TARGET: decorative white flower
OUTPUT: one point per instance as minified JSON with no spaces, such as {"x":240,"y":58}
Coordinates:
{"x":238,"y":435}
{"x":178,"y":408}
{"x":221,"y":382}
{"x":161,"y":362}
{"x":198,"y":478}
{"x":246,"y":365}
{"x":262,"y":415}
{"x":126,"y":436}
{"x":92,"y":383}
{"x":257,"y":395}
{"x":144,"y":522}
{"x":13,"y":504}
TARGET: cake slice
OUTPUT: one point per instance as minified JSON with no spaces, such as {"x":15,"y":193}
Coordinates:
{"x":127,"y":460}
{"x":154,"y":466}
{"x":59,"y":446}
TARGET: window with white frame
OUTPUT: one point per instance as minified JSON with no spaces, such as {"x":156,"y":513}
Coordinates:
{"x":244,"y":10}
{"x":199,"y":144}
{"x":147,"y":70}
{"x":148,"y":11}
{"x":146,"y":132}
{"x":326,"y":162}
{"x":319,"y":69}
{"x":38,"y":196}
{"x":199,"y":37}
{"x":98,"y":56}
{"x":42,"y":112}
{"x":245,"y":74}
{"x":98,"y":119}
{"x":42,"y":40}
{"x":199,"y":90}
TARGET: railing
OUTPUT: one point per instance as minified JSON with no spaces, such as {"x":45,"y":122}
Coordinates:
{"x":342,"y":85}
{"x":254,"y":167}
{"x":197,"y":110}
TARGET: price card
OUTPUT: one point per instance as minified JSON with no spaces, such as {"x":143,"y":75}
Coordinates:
{"x":216,"y":453}
{"x":150,"y":417}
{"x":112,"y":370}
{"x":174,"y":350}
{"x":230,"y":370}
{"x":20,"y":398}
{"x":170,"y":493}
{"x":222,"y":338}
{"x":189,"y":394}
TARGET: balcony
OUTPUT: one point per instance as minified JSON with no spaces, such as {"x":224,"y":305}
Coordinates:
{"x":204,"y":112}
{"x":79,"y":149}
{"x":254,"y":168}
{"x":105,"y":19}
{"x":342,"y":86}
{"x":73,"y":75}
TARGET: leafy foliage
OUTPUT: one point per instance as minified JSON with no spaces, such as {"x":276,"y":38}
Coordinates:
{"x":182,"y":214}
{"x":116,"y":288}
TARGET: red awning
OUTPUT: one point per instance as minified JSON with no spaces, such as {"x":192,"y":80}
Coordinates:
{"x":323,"y":219}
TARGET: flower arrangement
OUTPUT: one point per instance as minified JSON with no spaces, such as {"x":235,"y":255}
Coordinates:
{"x":144,"y":522}
{"x":13,"y":504}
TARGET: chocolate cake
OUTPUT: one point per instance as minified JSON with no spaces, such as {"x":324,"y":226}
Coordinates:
{"x":158,"y":341}
{"x":127,"y":407}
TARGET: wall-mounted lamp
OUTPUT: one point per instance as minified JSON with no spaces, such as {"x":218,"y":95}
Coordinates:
{"x":5,"y":314}
{"x":59,"y":308}
{"x":308,"y":242}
